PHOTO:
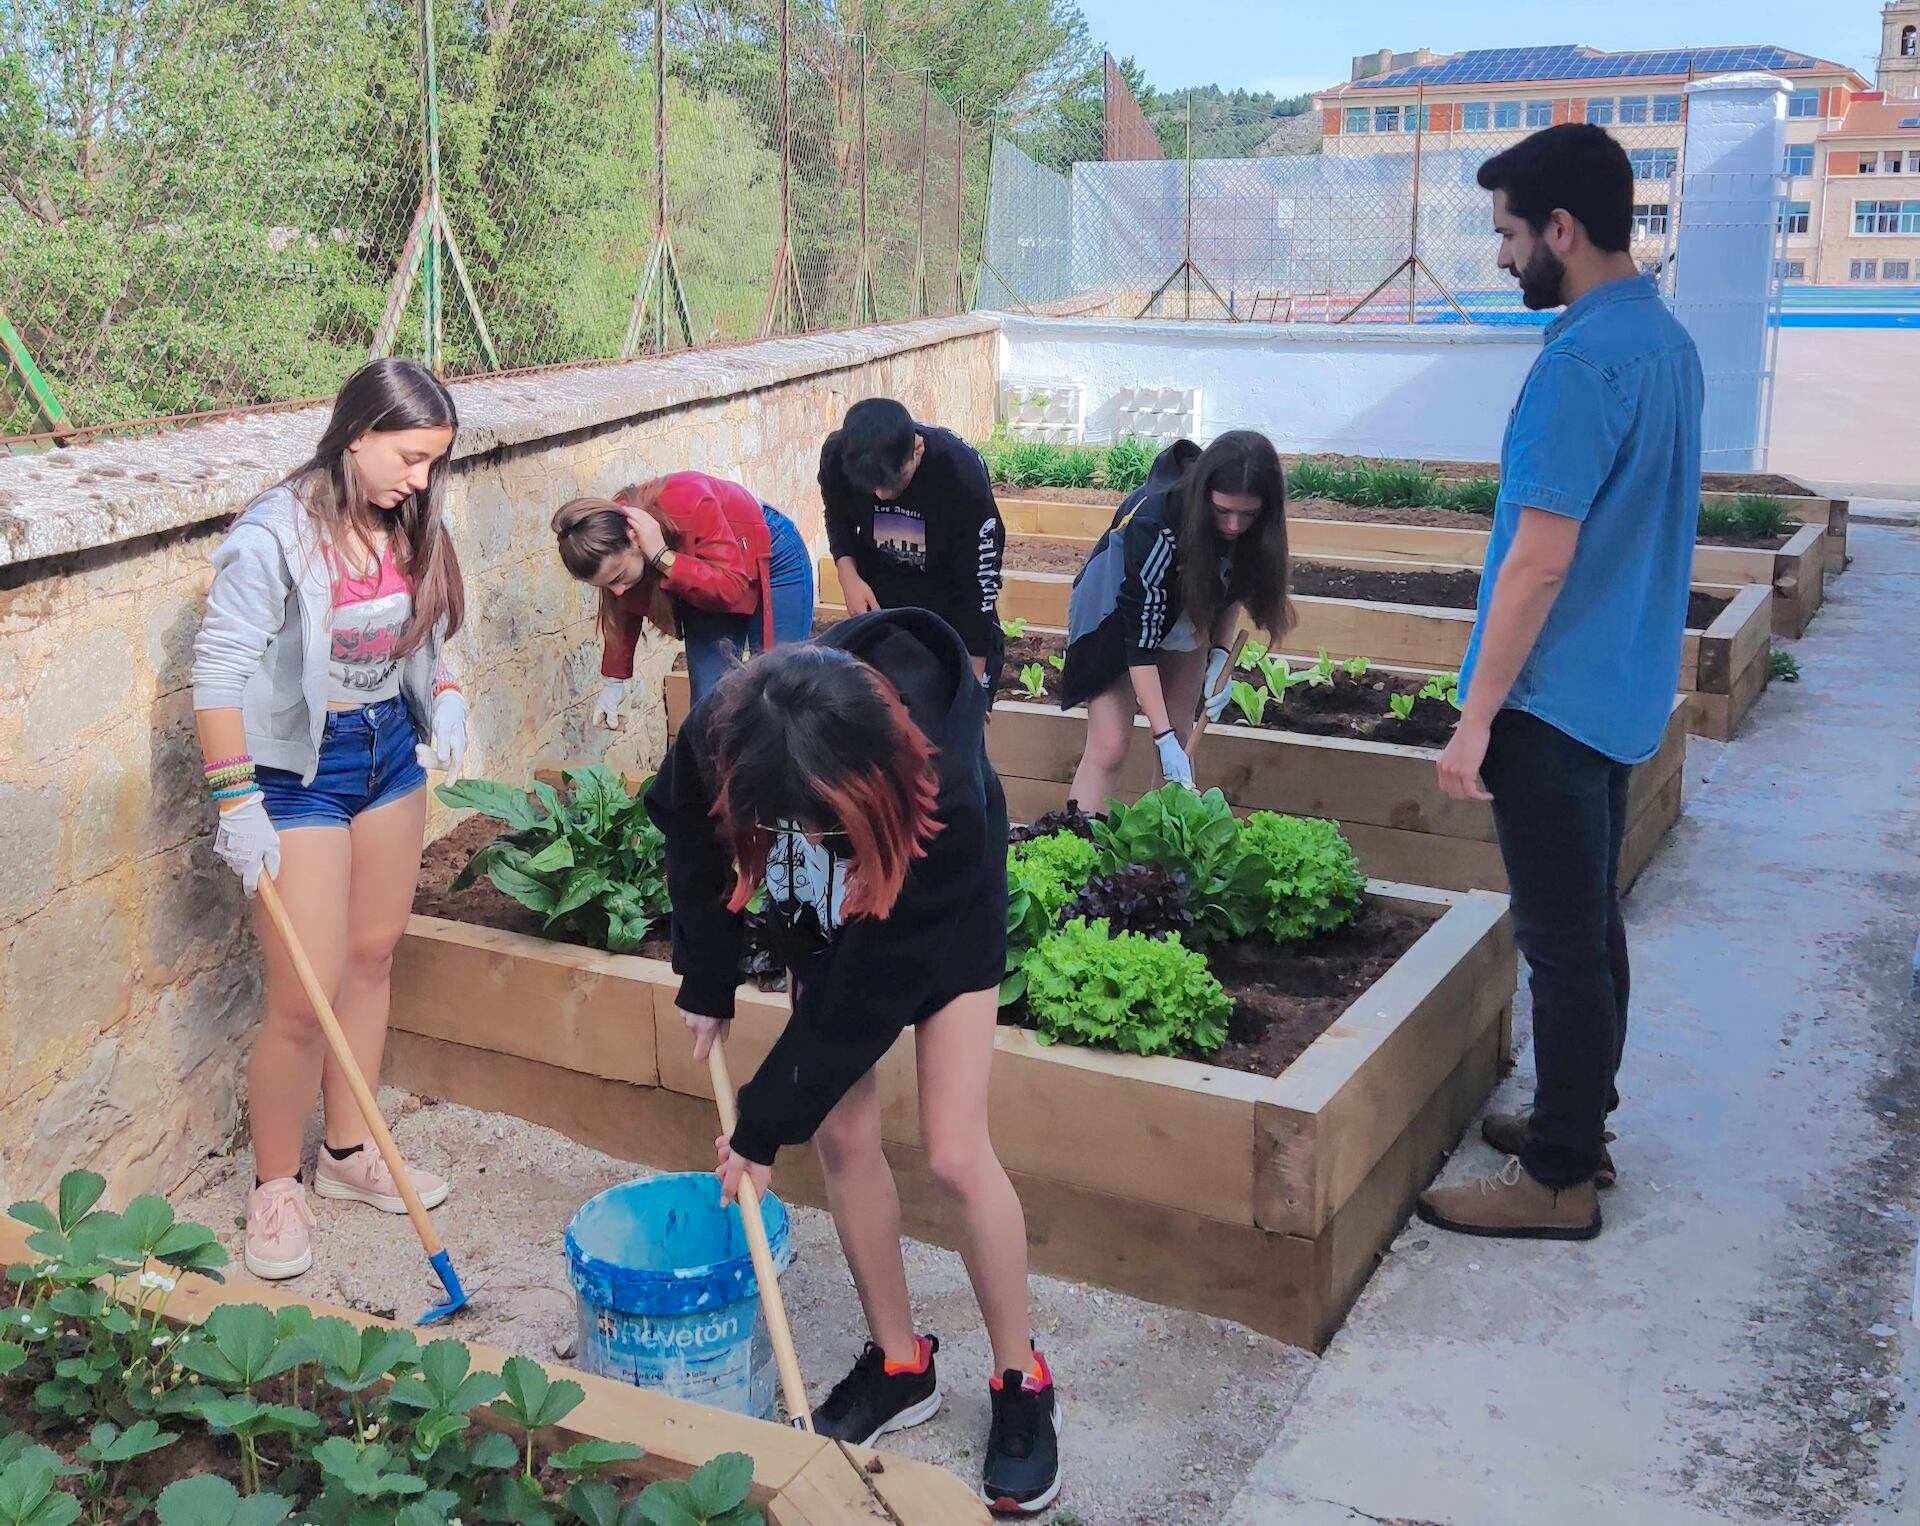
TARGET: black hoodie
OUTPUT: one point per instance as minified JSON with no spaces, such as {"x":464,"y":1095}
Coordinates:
{"x":863,"y":982}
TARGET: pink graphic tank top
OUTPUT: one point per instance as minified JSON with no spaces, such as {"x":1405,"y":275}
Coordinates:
{"x":370,"y":614}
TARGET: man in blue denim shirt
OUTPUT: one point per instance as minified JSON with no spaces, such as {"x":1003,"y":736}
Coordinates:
{"x":1575,"y":655}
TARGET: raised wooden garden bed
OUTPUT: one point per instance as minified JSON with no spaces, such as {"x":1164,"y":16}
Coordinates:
{"x":799,"y":1480}
{"x":1385,"y":795}
{"x":1723,"y":666}
{"x":1793,"y":570}
{"x":1261,"y":1199}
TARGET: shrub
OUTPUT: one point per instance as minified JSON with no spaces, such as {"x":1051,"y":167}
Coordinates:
{"x":1312,"y":882}
{"x":1718,"y":521}
{"x":1762,"y":518}
{"x":1783,"y":665}
{"x":1127,"y":465}
{"x":1087,"y":985}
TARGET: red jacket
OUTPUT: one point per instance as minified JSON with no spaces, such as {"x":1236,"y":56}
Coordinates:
{"x":723,"y":562}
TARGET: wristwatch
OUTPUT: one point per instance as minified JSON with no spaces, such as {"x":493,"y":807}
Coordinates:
{"x":662,"y":561}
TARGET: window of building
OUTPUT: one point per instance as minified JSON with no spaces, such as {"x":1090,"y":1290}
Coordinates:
{"x":1600,"y":110}
{"x":1654,"y":163}
{"x":1386,"y":119}
{"x":1869,"y":164}
{"x":1790,"y":270}
{"x":1910,"y":42}
{"x":1893,"y":162}
{"x":1799,"y":159}
{"x":1358,"y":118}
{"x":1886,"y":217}
{"x":1666,"y":108}
{"x":1417,"y":119}
{"x":1795,"y":217}
{"x":1804,"y":103}
{"x":1506,"y":113}
{"x":1539,"y":113}
{"x":1475,"y":116}
{"x":1862,"y":270}
{"x":1633,"y":108}
{"x":1896,"y":270}
{"x":1649,"y":219}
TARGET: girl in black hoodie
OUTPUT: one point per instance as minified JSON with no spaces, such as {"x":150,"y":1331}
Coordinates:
{"x":1191,"y":553}
{"x":850,"y":774}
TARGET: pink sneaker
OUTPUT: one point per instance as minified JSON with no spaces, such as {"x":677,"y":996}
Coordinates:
{"x":363,"y":1177}
{"x":279,"y":1230}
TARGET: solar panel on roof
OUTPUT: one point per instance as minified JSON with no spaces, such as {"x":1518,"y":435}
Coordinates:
{"x":1484,"y":66}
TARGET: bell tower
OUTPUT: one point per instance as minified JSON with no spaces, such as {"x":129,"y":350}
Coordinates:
{"x":1900,"y":50}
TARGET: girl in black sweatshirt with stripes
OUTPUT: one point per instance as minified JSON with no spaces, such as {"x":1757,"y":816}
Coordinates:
{"x":1194,"y":551}
{"x":849,"y":774}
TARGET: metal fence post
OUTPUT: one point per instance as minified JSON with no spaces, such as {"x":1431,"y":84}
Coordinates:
{"x":660,"y":283}
{"x":865,"y":309}
{"x":432,"y":318}
{"x":786,"y":295}
{"x":920,"y":217}
{"x":33,"y":380}
{"x":959,"y":210}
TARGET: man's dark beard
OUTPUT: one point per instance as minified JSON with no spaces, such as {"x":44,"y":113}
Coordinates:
{"x":1543,"y":280}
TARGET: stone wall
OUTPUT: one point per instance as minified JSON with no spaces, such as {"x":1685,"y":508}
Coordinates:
{"x":129,"y":981}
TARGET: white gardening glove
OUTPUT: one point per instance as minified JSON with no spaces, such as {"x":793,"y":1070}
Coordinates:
{"x":606,"y":709}
{"x":246,"y":842}
{"x":1175,"y":766}
{"x":448,"y":749}
{"x":1216,"y":704}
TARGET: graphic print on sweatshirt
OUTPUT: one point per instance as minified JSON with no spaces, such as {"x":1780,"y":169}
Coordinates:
{"x":806,"y":884}
{"x":900,"y":535}
{"x":370,"y":615}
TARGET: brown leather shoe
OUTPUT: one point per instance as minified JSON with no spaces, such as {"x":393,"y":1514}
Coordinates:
{"x":1506,"y":1132}
{"x":1511,"y":1205}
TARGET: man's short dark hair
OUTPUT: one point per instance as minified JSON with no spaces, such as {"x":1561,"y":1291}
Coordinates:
{"x":876,"y":441}
{"x":1575,"y":167}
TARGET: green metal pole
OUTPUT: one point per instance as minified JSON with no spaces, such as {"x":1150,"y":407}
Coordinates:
{"x":660,"y":172}
{"x":39,"y":390}
{"x":431,"y":289}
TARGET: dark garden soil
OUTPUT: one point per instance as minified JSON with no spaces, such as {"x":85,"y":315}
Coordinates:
{"x":1286,"y":997}
{"x":1283,"y":997}
{"x":1436,"y":590}
{"x":1349,"y":707}
{"x":1770,"y":483}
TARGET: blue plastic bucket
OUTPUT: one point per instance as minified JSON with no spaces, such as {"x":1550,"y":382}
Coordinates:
{"x":667,"y":1299}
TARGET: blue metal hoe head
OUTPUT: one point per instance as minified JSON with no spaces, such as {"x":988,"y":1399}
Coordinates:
{"x":442,"y":1265}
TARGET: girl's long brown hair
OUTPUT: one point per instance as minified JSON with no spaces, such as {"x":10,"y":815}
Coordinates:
{"x":590,"y":530}
{"x":1241,"y":461}
{"x":812,"y":734}
{"x":382,"y":397}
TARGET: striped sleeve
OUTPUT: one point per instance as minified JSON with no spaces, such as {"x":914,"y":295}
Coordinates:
{"x":1148,"y":598}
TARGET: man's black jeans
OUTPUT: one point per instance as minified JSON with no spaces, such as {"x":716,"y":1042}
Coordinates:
{"x":1560,"y":809}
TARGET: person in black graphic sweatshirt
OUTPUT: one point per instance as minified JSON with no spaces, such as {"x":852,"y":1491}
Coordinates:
{"x":912,"y":523}
{"x":1192,"y":553}
{"x":849,"y":773}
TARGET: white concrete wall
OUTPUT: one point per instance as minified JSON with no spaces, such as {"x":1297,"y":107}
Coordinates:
{"x":1438,"y":394}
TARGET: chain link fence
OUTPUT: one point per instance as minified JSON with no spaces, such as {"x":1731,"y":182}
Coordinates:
{"x":209,"y":205}
{"x":1279,"y":219}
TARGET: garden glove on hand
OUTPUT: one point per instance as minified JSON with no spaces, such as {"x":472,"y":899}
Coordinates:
{"x":448,"y":750}
{"x":1175,"y":766}
{"x":1216,"y":704}
{"x":246,"y":842}
{"x":606,"y":709}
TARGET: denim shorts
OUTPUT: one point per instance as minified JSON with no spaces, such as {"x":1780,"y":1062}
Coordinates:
{"x":366,"y":761}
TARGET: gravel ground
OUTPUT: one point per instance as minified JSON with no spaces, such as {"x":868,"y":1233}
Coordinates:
{"x":1166,"y":1411}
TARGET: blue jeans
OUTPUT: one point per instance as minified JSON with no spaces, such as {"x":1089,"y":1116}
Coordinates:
{"x":714,"y":640}
{"x":366,"y":761}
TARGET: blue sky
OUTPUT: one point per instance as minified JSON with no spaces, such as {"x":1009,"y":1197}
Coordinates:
{"x":1289,"y":46}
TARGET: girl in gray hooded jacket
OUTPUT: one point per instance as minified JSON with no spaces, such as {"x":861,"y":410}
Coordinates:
{"x":321,"y":690}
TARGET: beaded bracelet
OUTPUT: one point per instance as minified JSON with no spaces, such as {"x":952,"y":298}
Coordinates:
{"x":227,"y":776}
{"x":223,"y":796}
{"x":219,"y":763}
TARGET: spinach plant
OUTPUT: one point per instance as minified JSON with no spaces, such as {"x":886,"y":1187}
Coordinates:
{"x":591,"y":863}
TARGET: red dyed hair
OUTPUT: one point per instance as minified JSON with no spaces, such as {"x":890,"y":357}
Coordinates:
{"x":813,"y":735}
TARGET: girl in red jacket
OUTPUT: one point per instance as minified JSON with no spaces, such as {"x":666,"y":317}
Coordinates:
{"x":696,"y":557}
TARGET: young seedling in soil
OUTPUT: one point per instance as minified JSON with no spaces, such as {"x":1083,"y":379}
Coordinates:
{"x":1033,"y":680}
{"x":1251,"y":655}
{"x":1250,"y":700}
{"x":1401,"y":705}
{"x":1355,"y":667}
{"x":1013,"y":629}
{"x":1057,"y":661}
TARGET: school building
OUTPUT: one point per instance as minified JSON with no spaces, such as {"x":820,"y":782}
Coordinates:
{"x":1852,"y":210}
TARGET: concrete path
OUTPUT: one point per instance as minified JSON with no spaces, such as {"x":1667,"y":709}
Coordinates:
{"x":1736,"y":1347}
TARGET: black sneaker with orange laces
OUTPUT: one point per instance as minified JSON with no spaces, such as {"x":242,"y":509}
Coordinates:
{"x":880,"y":1396}
{"x":1022,"y":1472}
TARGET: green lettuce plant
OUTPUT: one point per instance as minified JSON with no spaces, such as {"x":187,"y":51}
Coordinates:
{"x":1129,"y":992}
{"x":1043,"y":875}
{"x":1250,"y":700}
{"x":1195,"y":835}
{"x":1312,"y":883}
{"x":1401,"y":705}
{"x":1033,"y":680}
{"x":590,"y":863}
